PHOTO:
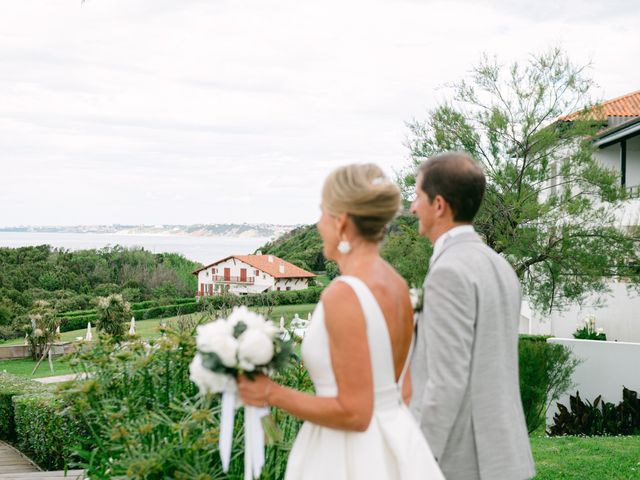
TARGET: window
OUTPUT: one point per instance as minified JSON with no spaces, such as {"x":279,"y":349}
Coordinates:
{"x":278,"y":288}
{"x":257,"y":273}
{"x":288,"y":288}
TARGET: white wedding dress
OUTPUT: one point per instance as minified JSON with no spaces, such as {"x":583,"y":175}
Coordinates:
{"x":393,"y":446}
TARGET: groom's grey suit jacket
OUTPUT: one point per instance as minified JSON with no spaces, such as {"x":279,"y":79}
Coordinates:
{"x":466,"y":393}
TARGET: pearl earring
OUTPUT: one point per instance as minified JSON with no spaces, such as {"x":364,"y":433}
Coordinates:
{"x":344,"y":246}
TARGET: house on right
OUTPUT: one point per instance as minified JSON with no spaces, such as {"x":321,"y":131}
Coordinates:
{"x":617,"y":146}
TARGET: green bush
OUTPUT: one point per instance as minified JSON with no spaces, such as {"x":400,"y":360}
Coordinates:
{"x":545,"y":374}
{"x":10,"y":387}
{"x":45,"y":430}
{"x":77,"y":323}
{"x":146,"y":421}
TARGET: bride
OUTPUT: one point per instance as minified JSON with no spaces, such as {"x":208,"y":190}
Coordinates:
{"x":357,"y":426}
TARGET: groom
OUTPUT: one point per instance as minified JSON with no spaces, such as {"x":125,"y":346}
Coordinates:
{"x":466,"y":395}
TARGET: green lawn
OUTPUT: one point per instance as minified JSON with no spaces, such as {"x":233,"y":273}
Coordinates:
{"x":149,"y":328}
{"x":583,"y":458}
{"x":24,"y":367}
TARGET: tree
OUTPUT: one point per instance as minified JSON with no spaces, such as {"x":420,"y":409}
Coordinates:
{"x":112,"y":313}
{"x":406,"y":250}
{"x":549,"y":206}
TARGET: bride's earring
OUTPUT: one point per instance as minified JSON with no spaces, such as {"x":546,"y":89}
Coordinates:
{"x":344,"y":246}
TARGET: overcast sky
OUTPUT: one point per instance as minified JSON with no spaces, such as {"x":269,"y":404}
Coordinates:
{"x":213,"y":111}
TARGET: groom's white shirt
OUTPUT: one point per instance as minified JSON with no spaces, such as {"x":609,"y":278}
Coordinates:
{"x":454,"y":232}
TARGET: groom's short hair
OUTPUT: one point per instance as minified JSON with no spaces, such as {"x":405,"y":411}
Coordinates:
{"x":457,"y":178}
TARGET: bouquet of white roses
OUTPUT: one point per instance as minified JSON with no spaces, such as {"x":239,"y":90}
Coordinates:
{"x":244,"y":343}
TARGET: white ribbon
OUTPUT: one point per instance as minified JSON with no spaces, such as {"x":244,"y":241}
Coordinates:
{"x":253,"y":436}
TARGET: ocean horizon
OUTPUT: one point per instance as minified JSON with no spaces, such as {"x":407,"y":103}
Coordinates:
{"x":197,"y":248}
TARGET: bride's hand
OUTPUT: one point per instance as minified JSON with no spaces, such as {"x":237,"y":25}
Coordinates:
{"x":255,"y":392}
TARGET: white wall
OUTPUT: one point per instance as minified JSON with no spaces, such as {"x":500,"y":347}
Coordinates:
{"x":606,"y":367}
{"x":292,"y":283}
{"x":619,"y":316}
{"x":633,"y":162}
{"x":609,"y":157}
{"x":261,"y":283}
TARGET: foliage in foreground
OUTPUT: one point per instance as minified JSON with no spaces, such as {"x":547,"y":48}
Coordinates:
{"x":145,"y":419}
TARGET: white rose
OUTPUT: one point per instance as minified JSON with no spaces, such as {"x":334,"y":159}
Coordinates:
{"x":255,"y":347}
{"x":217,"y":337}
{"x":252,"y":320}
{"x":208,"y":381}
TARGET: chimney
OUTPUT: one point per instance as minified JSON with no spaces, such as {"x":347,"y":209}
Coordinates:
{"x":281,"y":267}
{"x":270,"y":258}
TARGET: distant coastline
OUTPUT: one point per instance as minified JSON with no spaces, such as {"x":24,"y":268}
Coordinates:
{"x":225,"y":230}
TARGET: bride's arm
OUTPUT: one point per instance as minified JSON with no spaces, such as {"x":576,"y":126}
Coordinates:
{"x":352,"y":408}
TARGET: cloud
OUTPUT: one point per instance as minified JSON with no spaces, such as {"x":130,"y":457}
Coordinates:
{"x":161,"y":111}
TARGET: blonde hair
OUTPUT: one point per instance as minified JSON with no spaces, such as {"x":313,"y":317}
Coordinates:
{"x":363,"y":192}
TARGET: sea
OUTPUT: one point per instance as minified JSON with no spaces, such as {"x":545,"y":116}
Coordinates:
{"x":200,"y":249}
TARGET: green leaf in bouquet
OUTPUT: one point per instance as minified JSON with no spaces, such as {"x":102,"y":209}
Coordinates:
{"x":213,"y":362}
{"x":239,"y":329}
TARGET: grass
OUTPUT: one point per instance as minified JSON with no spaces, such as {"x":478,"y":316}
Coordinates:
{"x":148,"y":329}
{"x":24,"y":367}
{"x":586,"y":457}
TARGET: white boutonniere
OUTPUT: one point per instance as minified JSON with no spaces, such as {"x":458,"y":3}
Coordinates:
{"x":416,"y":295}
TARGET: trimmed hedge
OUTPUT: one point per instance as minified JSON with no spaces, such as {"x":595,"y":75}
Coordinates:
{"x":12,"y":386}
{"x":183,"y":306}
{"x":45,"y":429}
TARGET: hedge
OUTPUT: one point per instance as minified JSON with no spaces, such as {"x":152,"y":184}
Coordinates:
{"x":45,"y":429}
{"x":183,"y":306}
{"x":12,"y":386}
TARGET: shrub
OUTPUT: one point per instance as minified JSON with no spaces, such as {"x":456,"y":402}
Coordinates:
{"x":545,"y":374}
{"x":45,"y":429}
{"x":12,"y":386}
{"x":146,"y":420}
{"x":599,"y":417}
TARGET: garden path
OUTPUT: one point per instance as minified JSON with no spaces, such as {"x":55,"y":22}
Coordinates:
{"x":15,"y":466}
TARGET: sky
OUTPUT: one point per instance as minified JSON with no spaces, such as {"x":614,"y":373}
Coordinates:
{"x":231,"y":111}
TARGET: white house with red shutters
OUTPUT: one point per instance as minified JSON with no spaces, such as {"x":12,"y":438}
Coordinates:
{"x":245,"y":274}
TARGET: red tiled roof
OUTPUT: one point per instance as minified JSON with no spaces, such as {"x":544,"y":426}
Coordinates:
{"x":625,"y":106}
{"x":262,"y":263}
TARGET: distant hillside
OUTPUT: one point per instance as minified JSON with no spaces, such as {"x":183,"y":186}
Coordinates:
{"x":301,"y":246}
{"x":403,"y":248}
{"x":202,"y":230}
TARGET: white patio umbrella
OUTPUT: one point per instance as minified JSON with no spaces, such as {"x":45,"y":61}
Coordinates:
{"x":89,"y":336}
{"x":132,"y":326}
{"x":282,"y":323}
{"x":309,"y":316}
